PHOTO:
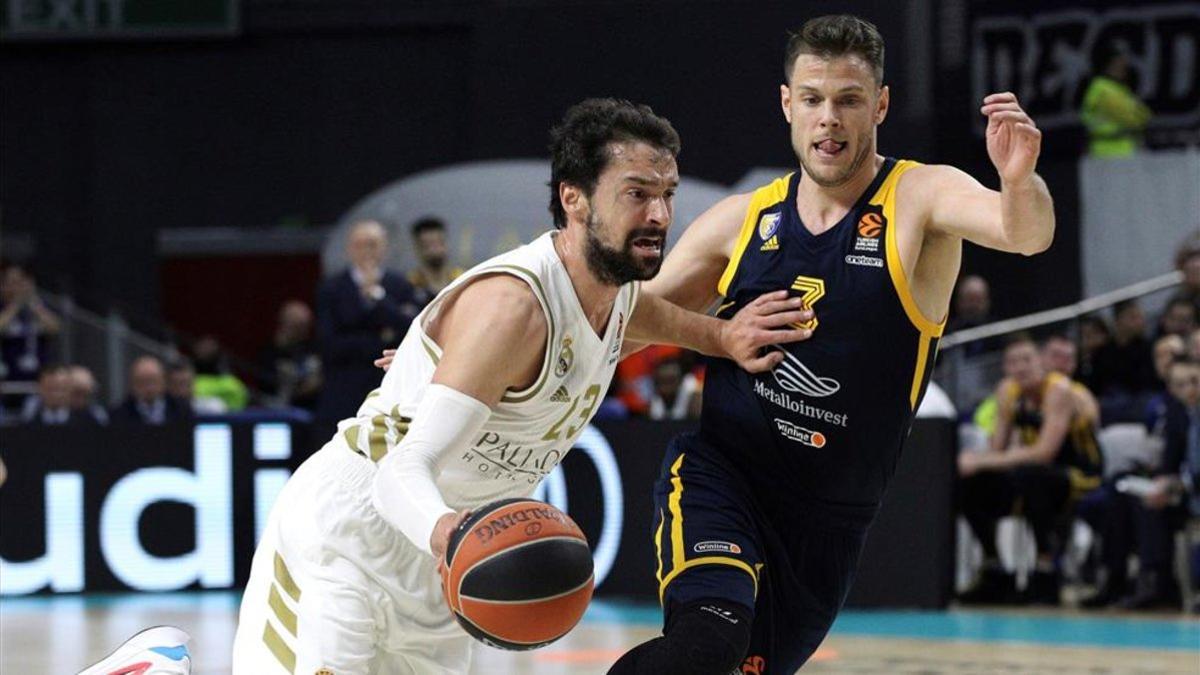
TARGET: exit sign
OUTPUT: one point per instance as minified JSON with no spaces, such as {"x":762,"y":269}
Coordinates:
{"x":116,"y":19}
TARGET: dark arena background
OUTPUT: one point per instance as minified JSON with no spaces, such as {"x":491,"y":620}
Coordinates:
{"x":178,"y":180}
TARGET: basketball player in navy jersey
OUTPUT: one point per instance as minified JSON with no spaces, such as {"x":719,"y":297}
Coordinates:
{"x":761,"y":514}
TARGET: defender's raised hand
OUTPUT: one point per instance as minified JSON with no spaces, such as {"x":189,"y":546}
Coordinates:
{"x":1013,"y":140}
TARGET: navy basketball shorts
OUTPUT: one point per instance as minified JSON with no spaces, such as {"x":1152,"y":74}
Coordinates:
{"x":712,"y":542}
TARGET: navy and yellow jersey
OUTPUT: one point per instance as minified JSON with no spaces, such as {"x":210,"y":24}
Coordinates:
{"x":827,"y":424}
{"x":1080,"y":451}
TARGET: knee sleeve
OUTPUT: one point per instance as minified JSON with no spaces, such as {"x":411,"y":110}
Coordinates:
{"x":707,"y":637}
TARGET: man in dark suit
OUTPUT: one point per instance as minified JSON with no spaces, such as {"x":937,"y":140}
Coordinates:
{"x":148,"y":402}
{"x":360,"y":311}
{"x":52,"y":405}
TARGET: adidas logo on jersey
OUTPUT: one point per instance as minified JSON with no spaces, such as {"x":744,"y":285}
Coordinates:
{"x":771,"y":244}
{"x":560,"y":395}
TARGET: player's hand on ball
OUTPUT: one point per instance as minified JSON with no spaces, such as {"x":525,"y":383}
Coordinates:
{"x":1013,"y":140}
{"x":445,"y":526}
{"x":384,"y":362}
{"x":771,"y":319}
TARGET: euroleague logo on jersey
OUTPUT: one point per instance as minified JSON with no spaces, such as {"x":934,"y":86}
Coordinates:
{"x":871,"y":225}
{"x":869,"y":228}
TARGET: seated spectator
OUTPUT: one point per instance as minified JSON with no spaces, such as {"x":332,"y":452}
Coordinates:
{"x":1123,"y":374}
{"x":972,"y":307}
{"x":1094,"y":336}
{"x":1058,"y":355}
{"x":289,"y":367}
{"x":676,"y":393}
{"x":148,"y":403}
{"x":83,"y":394}
{"x":360,"y":312}
{"x":1187,"y":261}
{"x":216,"y":388}
{"x":52,"y":405}
{"x":1167,"y":350}
{"x":432,"y":273}
{"x":26,"y":326}
{"x":181,"y":382}
{"x":634,"y":384}
{"x":1178,"y":318}
{"x":1143,"y":515}
{"x":1042,"y":456}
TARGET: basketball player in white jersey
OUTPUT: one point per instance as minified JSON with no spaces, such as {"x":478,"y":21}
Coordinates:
{"x":491,"y":386}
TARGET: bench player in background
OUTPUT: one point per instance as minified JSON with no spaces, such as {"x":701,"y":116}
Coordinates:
{"x":762,"y":514}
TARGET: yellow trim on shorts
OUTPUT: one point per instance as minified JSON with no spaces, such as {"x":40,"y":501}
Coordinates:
{"x":282,"y":652}
{"x":284,"y":577}
{"x":287,"y":618}
{"x":674,"y":504}
{"x":706,"y":560}
{"x":763,"y":198}
{"x":658,"y":547}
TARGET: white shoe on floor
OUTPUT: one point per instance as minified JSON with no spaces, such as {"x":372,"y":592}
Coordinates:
{"x":161,"y":650}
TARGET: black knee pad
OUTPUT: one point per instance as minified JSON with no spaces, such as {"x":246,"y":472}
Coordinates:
{"x":708,"y":637}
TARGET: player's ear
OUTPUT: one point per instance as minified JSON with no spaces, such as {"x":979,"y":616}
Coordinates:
{"x":574,"y":201}
{"x":881,"y":108}
{"x":785,"y":101}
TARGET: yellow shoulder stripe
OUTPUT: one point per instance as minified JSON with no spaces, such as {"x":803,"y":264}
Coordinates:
{"x":764,"y":197}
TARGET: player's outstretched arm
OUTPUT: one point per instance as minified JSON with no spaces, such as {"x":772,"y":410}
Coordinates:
{"x":1017,"y":219}
{"x":492,"y":336}
{"x":768,"y":320}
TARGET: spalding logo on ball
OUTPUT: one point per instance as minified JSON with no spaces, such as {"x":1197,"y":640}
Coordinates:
{"x":518,"y":574}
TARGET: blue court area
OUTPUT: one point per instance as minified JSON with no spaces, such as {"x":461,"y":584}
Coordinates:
{"x":996,"y":626}
{"x":976,"y":626}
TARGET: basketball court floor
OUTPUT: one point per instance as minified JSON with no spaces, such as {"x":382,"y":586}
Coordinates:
{"x":59,"y":635}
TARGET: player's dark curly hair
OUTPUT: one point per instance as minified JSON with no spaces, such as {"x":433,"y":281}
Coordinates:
{"x":579,"y":145}
{"x":836,"y":35}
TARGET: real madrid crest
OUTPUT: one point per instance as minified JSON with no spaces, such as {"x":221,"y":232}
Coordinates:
{"x":566,"y":357}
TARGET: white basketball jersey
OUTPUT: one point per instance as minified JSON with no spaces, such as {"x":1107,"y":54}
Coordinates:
{"x":529,"y":431}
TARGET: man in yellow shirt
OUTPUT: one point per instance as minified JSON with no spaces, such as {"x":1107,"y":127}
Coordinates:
{"x":1114,"y":116}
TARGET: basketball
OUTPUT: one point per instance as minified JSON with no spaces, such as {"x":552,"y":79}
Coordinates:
{"x":518,"y":574}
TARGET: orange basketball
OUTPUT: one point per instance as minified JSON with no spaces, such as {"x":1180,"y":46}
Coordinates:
{"x":518,"y":574}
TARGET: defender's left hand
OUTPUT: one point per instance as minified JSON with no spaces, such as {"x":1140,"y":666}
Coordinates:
{"x":770,"y":319}
{"x":1013,"y":140}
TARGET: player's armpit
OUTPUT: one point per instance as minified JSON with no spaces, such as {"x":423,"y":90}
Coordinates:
{"x":493,"y":338}
{"x":951,"y":202}
{"x":696,"y":262}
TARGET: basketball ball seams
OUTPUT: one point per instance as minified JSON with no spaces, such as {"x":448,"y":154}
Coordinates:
{"x":585,"y":584}
{"x":501,"y":580}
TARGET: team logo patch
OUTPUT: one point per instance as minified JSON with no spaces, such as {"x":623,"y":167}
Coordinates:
{"x":716,"y":547}
{"x":793,"y":375}
{"x":768,"y":225}
{"x":566,"y":357}
{"x":797,"y":433}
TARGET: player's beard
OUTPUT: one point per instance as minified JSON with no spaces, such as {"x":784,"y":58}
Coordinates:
{"x":617,"y":267}
{"x":864,"y":151}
